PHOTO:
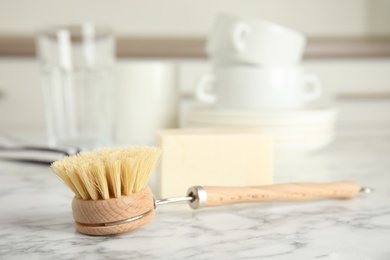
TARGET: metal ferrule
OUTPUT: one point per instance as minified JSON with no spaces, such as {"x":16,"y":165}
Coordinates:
{"x":199,"y":197}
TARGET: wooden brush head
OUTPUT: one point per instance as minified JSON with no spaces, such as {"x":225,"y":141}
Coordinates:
{"x":110,"y":185}
{"x":91,"y":216}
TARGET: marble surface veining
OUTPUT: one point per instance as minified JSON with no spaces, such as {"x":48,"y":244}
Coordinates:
{"x":36,"y":219}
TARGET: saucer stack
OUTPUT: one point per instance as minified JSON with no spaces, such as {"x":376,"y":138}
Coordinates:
{"x":258,"y":81}
{"x":300,"y":130}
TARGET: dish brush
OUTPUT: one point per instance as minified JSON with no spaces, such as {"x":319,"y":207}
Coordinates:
{"x":112,"y":196}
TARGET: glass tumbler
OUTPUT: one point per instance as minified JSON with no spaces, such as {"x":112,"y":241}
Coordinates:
{"x":77,"y":82}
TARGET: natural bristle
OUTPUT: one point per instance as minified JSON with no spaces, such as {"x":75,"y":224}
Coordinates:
{"x":109,"y":172}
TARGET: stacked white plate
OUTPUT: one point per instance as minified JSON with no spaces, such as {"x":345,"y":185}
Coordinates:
{"x":303,"y":130}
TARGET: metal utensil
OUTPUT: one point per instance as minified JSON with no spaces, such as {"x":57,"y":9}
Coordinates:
{"x":12,"y":149}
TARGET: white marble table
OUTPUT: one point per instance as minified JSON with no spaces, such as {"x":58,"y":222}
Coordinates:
{"x":36,"y":218}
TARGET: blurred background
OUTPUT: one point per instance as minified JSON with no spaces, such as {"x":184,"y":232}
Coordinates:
{"x":159,"y":58}
{"x":348,"y":46}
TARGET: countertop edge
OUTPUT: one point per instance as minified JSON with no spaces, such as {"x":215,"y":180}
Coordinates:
{"x":176,"y":47}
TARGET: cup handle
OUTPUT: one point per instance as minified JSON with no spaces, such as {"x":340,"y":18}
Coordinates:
{"x":202,"y":92}
{"x":313,"y":87}
{"x":240,"y":30}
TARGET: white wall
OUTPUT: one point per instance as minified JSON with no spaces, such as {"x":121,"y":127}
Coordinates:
{"x":195,"y":17}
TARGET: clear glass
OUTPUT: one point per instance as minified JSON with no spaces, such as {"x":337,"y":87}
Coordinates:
{"x":77,"y":82}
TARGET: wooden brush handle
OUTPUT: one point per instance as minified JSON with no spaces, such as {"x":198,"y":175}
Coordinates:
{"x":280,"y":192}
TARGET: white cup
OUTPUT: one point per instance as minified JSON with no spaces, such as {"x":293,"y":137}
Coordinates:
{"x":247,"y":40}
{"x":242,"y":87}
{"x":147,"y":100}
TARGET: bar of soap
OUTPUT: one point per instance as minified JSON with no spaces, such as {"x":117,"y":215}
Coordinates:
{"x":217,"y":157}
